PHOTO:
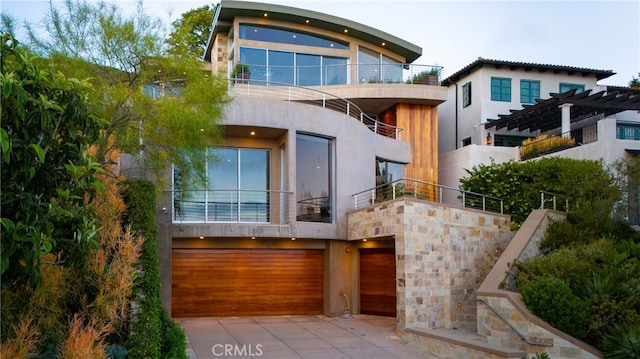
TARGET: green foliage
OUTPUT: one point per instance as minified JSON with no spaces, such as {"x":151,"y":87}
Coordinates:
{"x":623,"y":342}
{"x":47,"y":124}
{"x":566,"y":264}
{"x":161,"y":105}
{"x":552,"y":300}
{"x":173,"y":340}
{"x":519,"y":184}
{"x":190,"y":33}
{"x":152,"y":333}
{"x":635,"y":82}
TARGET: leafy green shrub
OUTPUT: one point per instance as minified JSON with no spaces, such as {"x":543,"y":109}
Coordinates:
{"x":552,"y":300}
{"x":566,"y":264}
{"x":519,"y":184}
{"x":623,"y":342}
{"x":152,"y":332}
{"x":145,"y":336}
{"x":173,"y":339}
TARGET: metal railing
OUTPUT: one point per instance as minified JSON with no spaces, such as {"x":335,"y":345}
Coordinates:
{"x":311,"y":96}
{"x":553,"y":201}
{"x":513,"y":328}
{"x":235,"y":206}
{"x":339,"y":74}
{"x":547,"y":144}
{"x":427,"y":191}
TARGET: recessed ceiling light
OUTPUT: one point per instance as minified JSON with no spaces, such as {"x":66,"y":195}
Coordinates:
{"x":346,"y":30}
{"x":265,"y":14}
{"x":293,"y":238}
{"x":364,"y":240}
{"x":252,"y":133}
{"x":201,"y":237}
{"x":306,"y":21}
{"x":384,"y":44}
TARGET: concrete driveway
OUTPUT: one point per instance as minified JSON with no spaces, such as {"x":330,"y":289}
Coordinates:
{"x":304,"y":336}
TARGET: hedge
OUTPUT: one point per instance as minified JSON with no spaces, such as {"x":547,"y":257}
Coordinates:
{"x":152,"y":334}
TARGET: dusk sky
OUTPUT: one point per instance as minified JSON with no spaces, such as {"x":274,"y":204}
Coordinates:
{"x":603,"y":35}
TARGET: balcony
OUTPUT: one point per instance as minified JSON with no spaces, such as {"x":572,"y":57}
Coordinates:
{"x":230,"y":206}
{"x":341,"y":74}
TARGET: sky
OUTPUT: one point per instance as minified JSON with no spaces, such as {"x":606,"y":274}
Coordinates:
{"x":603,"y":35}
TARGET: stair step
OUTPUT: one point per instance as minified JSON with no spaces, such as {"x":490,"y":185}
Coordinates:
{"x":467,"y":339}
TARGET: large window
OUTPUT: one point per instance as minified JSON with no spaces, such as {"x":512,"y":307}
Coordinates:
{"x":290,"y":68}
{"x":466,"y":94}
{"x":529,"y":91}
{"x":237,"y":184}
{"x":314,"y":173}
{"x":500,"y":89}
{"x":374,"y":67}
{"x":282,"y":36}
{"x":388,"y":171}
{"x":564,"y":87}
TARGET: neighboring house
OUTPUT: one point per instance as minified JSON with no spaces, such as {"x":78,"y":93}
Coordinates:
{"x":493,"y":106}
{"x":324,"y":108}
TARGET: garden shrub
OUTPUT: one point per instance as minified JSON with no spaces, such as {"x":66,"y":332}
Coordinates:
{"x":552,"y":300}
{"x":623,"y":342}
{"x":153,"y":334}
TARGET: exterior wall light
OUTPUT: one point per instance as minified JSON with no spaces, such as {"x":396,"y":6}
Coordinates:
{"x":489,"y":138}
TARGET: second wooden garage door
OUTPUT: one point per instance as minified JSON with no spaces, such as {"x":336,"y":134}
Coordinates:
{"x":378,"y":281}
{"x":237,"y":282}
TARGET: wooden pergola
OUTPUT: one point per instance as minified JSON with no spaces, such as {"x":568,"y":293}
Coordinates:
{"x":546,"y":115}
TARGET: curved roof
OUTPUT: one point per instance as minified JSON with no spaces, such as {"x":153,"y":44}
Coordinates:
{"x":227,"y":10}
{"x":513,"y":65}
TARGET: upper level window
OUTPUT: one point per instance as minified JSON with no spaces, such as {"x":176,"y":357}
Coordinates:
{"x":564,"y":87}
{"x":466,"y":94}
{"x":388,"y":171}
{"x":466,"y":142}
{"x":281,"y":36}
{"x":529,"y":91}
{"x":500,"y":89}
{"x":290,"y":68}
{"x":373,"y":67}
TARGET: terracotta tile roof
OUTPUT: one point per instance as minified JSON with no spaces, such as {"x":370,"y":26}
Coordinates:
{"x":514,"y":65}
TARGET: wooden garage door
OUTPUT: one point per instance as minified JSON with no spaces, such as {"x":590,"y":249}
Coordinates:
{"x":378,"y":281}
{"x":236,"y":282}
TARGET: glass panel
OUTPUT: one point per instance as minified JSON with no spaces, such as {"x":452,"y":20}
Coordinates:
{"x":334,"y":70}
{"x":188,"y":206}
{"x":308,"y":70}
{"x":313,"y":179}
{"x":257,"y":61}
{"x":222,"y":183}
{"x":368,"y":66}
{"x":254,"y":183}
{"x":391,"y":70}
{"x":281,"y":67}
{"x":281,"y":36}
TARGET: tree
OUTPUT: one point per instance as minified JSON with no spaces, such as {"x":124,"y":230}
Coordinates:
{"x":47,"y":177}
{"x":191,"y":32}
{"x":635,"y":82}
{"x":161,"y":107}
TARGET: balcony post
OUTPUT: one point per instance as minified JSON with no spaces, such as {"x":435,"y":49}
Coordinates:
{"x":566,"y":119}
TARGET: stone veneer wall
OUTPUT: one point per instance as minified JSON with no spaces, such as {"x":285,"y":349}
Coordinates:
{"x":541,"y":336}
{"x":442,"y":255}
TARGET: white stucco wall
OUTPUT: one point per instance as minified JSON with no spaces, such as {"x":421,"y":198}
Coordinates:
{"x":482,"y":108}
{"x":452,"y":164}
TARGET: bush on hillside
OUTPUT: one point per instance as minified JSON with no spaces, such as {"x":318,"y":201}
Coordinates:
{"x":552,"y":300}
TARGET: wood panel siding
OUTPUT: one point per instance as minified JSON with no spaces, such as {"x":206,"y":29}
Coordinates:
{"x":378,"y":281}
{"x":420,"y":128}
{"x":237,"y":282}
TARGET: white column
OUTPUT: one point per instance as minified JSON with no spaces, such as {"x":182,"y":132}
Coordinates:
{"x":566,"y":119}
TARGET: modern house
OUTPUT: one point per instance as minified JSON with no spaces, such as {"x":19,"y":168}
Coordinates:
{"x":493,"y":106}
{"x":324,"y":108}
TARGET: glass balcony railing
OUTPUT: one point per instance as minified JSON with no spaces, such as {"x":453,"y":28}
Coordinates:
{"x":342,"y":74}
